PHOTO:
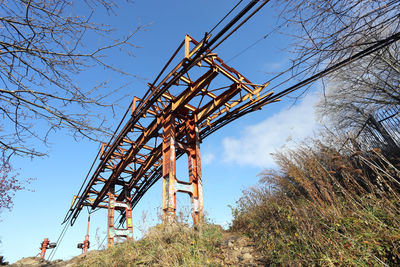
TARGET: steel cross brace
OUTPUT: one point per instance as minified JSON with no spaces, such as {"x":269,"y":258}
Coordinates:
{"x":112,"y":231}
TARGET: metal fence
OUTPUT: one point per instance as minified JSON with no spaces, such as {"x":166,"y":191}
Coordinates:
{"x":382,"y":130}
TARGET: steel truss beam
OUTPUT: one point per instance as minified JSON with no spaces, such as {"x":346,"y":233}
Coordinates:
{"x":189,"y":102}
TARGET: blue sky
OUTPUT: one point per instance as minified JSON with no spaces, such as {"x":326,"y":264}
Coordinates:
{"x":232,"y":157}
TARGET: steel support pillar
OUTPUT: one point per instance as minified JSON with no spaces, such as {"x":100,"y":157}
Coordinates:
{"x":169,"y":170}
{"x":86,"y":243}
{"x":110,"y":218}
{"x":171,"y":185}
{"x":112,"y":231}
{"x":193,"y":151}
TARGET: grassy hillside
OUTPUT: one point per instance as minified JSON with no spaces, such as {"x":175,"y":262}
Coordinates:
{"x":325,"y":208}
{"x":178,"y":245}
{"x":164,"y":245}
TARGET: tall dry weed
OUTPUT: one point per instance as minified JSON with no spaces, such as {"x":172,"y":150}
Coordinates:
{"x":322,"y":207}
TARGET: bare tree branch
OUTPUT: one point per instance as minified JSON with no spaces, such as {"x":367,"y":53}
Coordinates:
{"x":43,"y":45}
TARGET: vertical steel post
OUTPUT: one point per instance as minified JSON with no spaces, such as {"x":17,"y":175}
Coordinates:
{"x":169,"y":170}
{"x":129,"y":225}
{"x":86,"y":243}
{"x":196,"y":198}
{"x":110,"y":224}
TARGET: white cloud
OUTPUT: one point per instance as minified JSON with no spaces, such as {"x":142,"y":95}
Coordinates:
{"x":257,"y":142}
{"x":207,"y":158}
{"x":275,"y":66}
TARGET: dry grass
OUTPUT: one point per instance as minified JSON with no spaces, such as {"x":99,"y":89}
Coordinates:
{"x":163,"y":245}
{"x":325,"y":208}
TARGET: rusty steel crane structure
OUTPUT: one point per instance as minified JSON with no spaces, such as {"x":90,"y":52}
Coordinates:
{"x":195,"y":98}
{"x":166,"y":124}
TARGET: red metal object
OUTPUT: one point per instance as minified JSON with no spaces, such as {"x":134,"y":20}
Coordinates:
{"x":44,"y":247}
{"x":86,"y":242}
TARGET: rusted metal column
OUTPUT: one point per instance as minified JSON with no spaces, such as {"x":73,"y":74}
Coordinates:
{"x":169,"y":170}
{"x":86,"y":243}
{"x":196,"y":198}
{"x":128,"y":213}
{"x":110,"y":221}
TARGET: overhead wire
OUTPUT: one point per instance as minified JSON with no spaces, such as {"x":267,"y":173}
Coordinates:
{"x":367,"y":51}
{"x":241,"y":23}
{"x":230,"y":24}
{"x":306,"y":59}
{"x":58,"y":242}
{"x":298,"y":63}
{"x":95,"y":159}
{"x":255,"y":43}
{"x":225,"y":16}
